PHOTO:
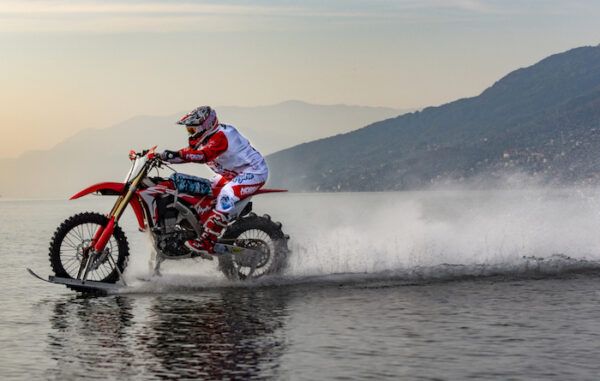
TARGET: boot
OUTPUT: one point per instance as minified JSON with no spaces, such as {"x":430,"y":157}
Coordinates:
{"x":215,"y":224}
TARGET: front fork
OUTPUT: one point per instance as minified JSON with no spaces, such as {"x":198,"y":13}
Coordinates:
{"x":96,"y":247}
{"x":103,"y":234}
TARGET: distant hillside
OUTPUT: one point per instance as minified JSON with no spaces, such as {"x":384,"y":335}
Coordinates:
{"x":543,"y":120}
{"x":95,"y":155}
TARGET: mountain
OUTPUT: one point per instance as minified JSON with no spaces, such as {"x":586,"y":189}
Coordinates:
{"x":543,"y":120}
{"x":94,"y":155}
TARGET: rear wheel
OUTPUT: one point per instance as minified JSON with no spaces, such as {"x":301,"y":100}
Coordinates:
{"x":72,"y":240}
{"x":260,"y":234}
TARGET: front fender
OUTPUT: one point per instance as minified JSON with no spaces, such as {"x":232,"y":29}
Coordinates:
{"x":114,"y":189}
{"x":105,"y":189}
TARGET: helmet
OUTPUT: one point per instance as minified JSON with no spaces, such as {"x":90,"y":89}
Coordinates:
{"x":200,"y":122}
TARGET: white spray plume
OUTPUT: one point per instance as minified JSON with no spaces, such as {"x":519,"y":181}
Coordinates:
{"x":406,"y":232}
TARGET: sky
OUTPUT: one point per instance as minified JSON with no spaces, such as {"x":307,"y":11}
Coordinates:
{"x":70,"y":65}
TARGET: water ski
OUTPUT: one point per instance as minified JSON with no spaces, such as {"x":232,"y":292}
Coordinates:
{"x":87,"y":286}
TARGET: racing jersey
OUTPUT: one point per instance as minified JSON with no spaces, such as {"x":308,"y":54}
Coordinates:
{"x":227,"y":153}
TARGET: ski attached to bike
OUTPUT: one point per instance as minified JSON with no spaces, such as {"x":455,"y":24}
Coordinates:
{"x":86,"y":286}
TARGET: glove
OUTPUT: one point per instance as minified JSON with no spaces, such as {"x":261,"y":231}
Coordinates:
{"x":169,"y":155}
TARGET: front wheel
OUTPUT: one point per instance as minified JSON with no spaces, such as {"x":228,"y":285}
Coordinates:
{"x":260,"y":234}
{"x":72,"y":240}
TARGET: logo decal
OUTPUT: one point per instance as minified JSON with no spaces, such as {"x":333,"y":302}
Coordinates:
{"x":226,"y":203}
{"x":248,"y":190}
{"x":243,"y":177}
{"x":200,"y":209}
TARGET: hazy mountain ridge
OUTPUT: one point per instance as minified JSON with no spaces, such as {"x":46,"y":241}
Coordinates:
{"x":94,"y":155}
{"x":543,"y":120}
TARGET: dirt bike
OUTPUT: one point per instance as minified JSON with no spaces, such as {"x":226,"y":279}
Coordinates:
{"x":91,"y":248}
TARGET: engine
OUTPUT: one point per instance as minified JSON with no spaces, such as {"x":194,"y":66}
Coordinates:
{"x":172,"y":230}
{"x":171,"y":244}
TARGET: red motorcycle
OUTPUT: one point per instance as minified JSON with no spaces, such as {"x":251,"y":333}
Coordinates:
{"x":90,"y":248}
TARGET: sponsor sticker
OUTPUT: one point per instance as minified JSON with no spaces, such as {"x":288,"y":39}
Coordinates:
{"x":243,"y":177}
{"x":248,"y":190}
{"x":226,"y":203}
{"x":201,"y":210}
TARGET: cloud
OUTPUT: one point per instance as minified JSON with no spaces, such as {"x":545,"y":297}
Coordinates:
{"x":337,"y":8}
{"x":167,"y":16}
{"x":110,"y":17}
{"x":116,"y":17}
{"x":97,"y":7}
{"x":468,"y":5}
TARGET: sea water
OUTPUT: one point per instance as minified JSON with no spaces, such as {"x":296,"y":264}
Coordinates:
{"x":411,"y":285}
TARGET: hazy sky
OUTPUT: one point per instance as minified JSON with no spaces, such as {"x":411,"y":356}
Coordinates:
{"x":68,"y":65}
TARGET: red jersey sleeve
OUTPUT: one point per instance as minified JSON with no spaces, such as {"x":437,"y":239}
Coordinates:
{"x":215,"y":146}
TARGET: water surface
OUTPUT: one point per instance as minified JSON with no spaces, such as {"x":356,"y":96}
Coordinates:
{"x":430,"y":285}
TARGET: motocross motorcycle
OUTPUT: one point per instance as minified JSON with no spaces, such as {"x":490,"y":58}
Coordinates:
{"x":92,"y":246}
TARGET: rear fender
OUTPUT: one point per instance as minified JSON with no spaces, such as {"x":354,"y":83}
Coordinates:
{"x":264,"y":190}
{"x":114,"y":189}
{"x":244,"y":206}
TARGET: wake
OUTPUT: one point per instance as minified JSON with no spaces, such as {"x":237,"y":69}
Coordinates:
{"x":435,"y":235}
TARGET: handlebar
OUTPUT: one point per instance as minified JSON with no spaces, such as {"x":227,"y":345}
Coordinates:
{"x":150,"y":152}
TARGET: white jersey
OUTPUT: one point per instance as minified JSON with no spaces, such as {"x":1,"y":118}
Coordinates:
{"x":240,"y":156}
{"x":227,"y":153}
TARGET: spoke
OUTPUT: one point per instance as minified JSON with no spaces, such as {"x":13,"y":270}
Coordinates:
{"x":70,"y":263}
{"x":111,"y":262}
{"x":77,"y":233}
{"x":90,"y":230}
{"x":107,"y":269}
{"x":70,"y":257}
{"x":73,"y":266}
{"x":71,"y":260}
{"x":82,"y":230}
{"x":85,"y":230}
{"x":100,"y":271}
{"x":67,"y":238}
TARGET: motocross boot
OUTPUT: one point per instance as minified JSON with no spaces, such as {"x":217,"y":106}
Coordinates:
{"x":215,"y":224}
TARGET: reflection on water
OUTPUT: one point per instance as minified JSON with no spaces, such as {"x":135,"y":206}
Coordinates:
{"x":230,"y":333}
{"x":88,"y":334}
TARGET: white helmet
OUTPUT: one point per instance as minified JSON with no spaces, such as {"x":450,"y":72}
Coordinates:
{"x":200,"y":122}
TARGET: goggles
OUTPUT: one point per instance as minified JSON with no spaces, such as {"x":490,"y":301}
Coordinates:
{"x":191,"y":130}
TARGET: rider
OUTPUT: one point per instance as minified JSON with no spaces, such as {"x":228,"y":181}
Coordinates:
{"x":240,"y":169}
